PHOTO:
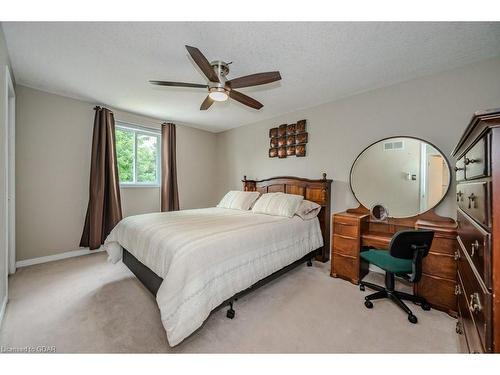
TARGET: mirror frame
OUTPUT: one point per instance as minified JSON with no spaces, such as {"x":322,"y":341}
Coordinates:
{"x":411,"y":137}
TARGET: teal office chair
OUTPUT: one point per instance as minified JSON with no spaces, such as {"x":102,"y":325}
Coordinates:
{"x":403,"y":259}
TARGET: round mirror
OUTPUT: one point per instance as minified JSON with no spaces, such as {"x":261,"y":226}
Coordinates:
{"x":406,"y":175}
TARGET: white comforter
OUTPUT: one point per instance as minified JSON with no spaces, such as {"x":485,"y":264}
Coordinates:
{"x":205,"y":256}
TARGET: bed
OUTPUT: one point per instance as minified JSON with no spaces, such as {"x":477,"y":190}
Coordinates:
{"x":195,"y":261}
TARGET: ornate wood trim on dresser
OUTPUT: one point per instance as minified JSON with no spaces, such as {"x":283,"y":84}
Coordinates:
{"x":355,"y":229}
{"x":318,"y":191}
{"x":478,"y":200}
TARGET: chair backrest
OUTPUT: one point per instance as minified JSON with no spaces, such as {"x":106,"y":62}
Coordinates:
{"x":412,"y":244}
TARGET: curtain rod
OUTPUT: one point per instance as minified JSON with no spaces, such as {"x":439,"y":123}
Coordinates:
{"x":97,"y":107}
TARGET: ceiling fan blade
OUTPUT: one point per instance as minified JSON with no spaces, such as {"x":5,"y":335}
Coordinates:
{"x":206,"y":103}
{"x":179,"y":84}
{"x":244,"y":99}
{"x":203,"y":63}
{"x":254,"y":79}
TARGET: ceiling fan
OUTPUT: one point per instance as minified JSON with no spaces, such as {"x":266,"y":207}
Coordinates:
{"x":219,"y":88}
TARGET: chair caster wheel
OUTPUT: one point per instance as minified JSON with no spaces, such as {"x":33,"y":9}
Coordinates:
{"x":425,"y":306}
{"x":361,"y":287}
{"x":412,"y":319}
{"x":230,"y":313}
{"x":368,"y":304}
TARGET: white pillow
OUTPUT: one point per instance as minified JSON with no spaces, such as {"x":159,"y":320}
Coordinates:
{"x":308,"y":210}
{"x":278,"y":204}
{"x":239,"y":200}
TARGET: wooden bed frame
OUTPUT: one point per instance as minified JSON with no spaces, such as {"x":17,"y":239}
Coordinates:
{"x":318,"y":191}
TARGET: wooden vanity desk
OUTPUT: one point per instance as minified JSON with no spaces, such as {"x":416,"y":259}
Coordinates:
{"x":356,"y":229}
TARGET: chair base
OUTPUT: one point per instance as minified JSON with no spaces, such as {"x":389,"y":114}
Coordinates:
{"x":394,"y":296}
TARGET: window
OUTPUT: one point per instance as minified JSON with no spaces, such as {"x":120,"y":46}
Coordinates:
{"x":138,"y":155}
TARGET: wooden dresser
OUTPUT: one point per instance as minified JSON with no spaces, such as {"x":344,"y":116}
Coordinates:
{"x":355,"y":229}
{"x":478,"y":200}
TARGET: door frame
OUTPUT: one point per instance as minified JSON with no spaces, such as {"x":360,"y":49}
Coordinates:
{"x":10,"y":120}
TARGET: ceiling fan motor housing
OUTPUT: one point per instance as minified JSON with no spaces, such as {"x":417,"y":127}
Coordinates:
{"x":221,"y":68}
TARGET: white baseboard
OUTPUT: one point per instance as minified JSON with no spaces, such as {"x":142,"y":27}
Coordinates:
{"x":2,"y":310}
{"x":51,"y":258}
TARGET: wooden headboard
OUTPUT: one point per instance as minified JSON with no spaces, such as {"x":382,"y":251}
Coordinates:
{"x":318,"y":191}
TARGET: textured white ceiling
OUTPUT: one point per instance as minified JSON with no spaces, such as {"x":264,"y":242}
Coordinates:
{"x":111,"y":63}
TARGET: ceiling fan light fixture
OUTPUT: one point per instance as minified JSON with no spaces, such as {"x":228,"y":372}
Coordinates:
{"x":218,"y":94}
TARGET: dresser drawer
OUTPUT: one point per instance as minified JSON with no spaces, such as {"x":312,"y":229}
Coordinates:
{"x":474,"y":199}
{"x":476,"y":160}
{"x":460,"y":169}
{"x":345,"y":245}
{"x":466,"y":325}
{"x":475,"y":241}
{"x":440,"y":264}
{"x":478,"y":300}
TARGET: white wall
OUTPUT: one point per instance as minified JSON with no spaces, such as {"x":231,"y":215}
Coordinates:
{"x":435,"y":108}
{"x":54,"y":139}
{"x":53,"y":145}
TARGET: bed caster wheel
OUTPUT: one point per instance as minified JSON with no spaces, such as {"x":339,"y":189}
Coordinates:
{"x":368,"y":304}
{"x":425,"y":306}
{"x":230,"y":313}
{"x":361,"y":287}
{"x":309,"y":263}
{"x":412,"y":319}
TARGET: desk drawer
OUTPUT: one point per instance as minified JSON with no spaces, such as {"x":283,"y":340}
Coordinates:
{"x":474,"y":199}
{"x":345,"y":267}
{"x":478,"y":300}
{"x":475,"y":241}
{"x":349,"y":230}
{"x":345,"y":245}
{"x":476,"y":160}
{"x":466,"y":325}
{"x":440,"y":264}
{"x":438,"y":291}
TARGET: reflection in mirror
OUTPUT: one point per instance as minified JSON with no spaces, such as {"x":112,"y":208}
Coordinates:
{"x":407,"y":176}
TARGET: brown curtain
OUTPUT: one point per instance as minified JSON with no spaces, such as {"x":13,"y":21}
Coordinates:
{"x":169,"y":191}
{"x":104,"y":210}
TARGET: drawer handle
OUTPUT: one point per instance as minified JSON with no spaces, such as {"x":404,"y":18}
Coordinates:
{"x":458,"y":290}
{"x":458,"y":169}
{"x":457,"y":255}
{"x":468,"y":161}
{"x":474,"y":247}
{"x":459,"y":196}
{"x":475,"y":304}
{"x":458,"y":328}
{"x":472,"y":199}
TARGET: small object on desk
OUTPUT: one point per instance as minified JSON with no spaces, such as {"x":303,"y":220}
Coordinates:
{"x":379,"y":212}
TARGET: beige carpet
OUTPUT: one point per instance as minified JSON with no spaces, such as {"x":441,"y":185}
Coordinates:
{"x":85,"y":304}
